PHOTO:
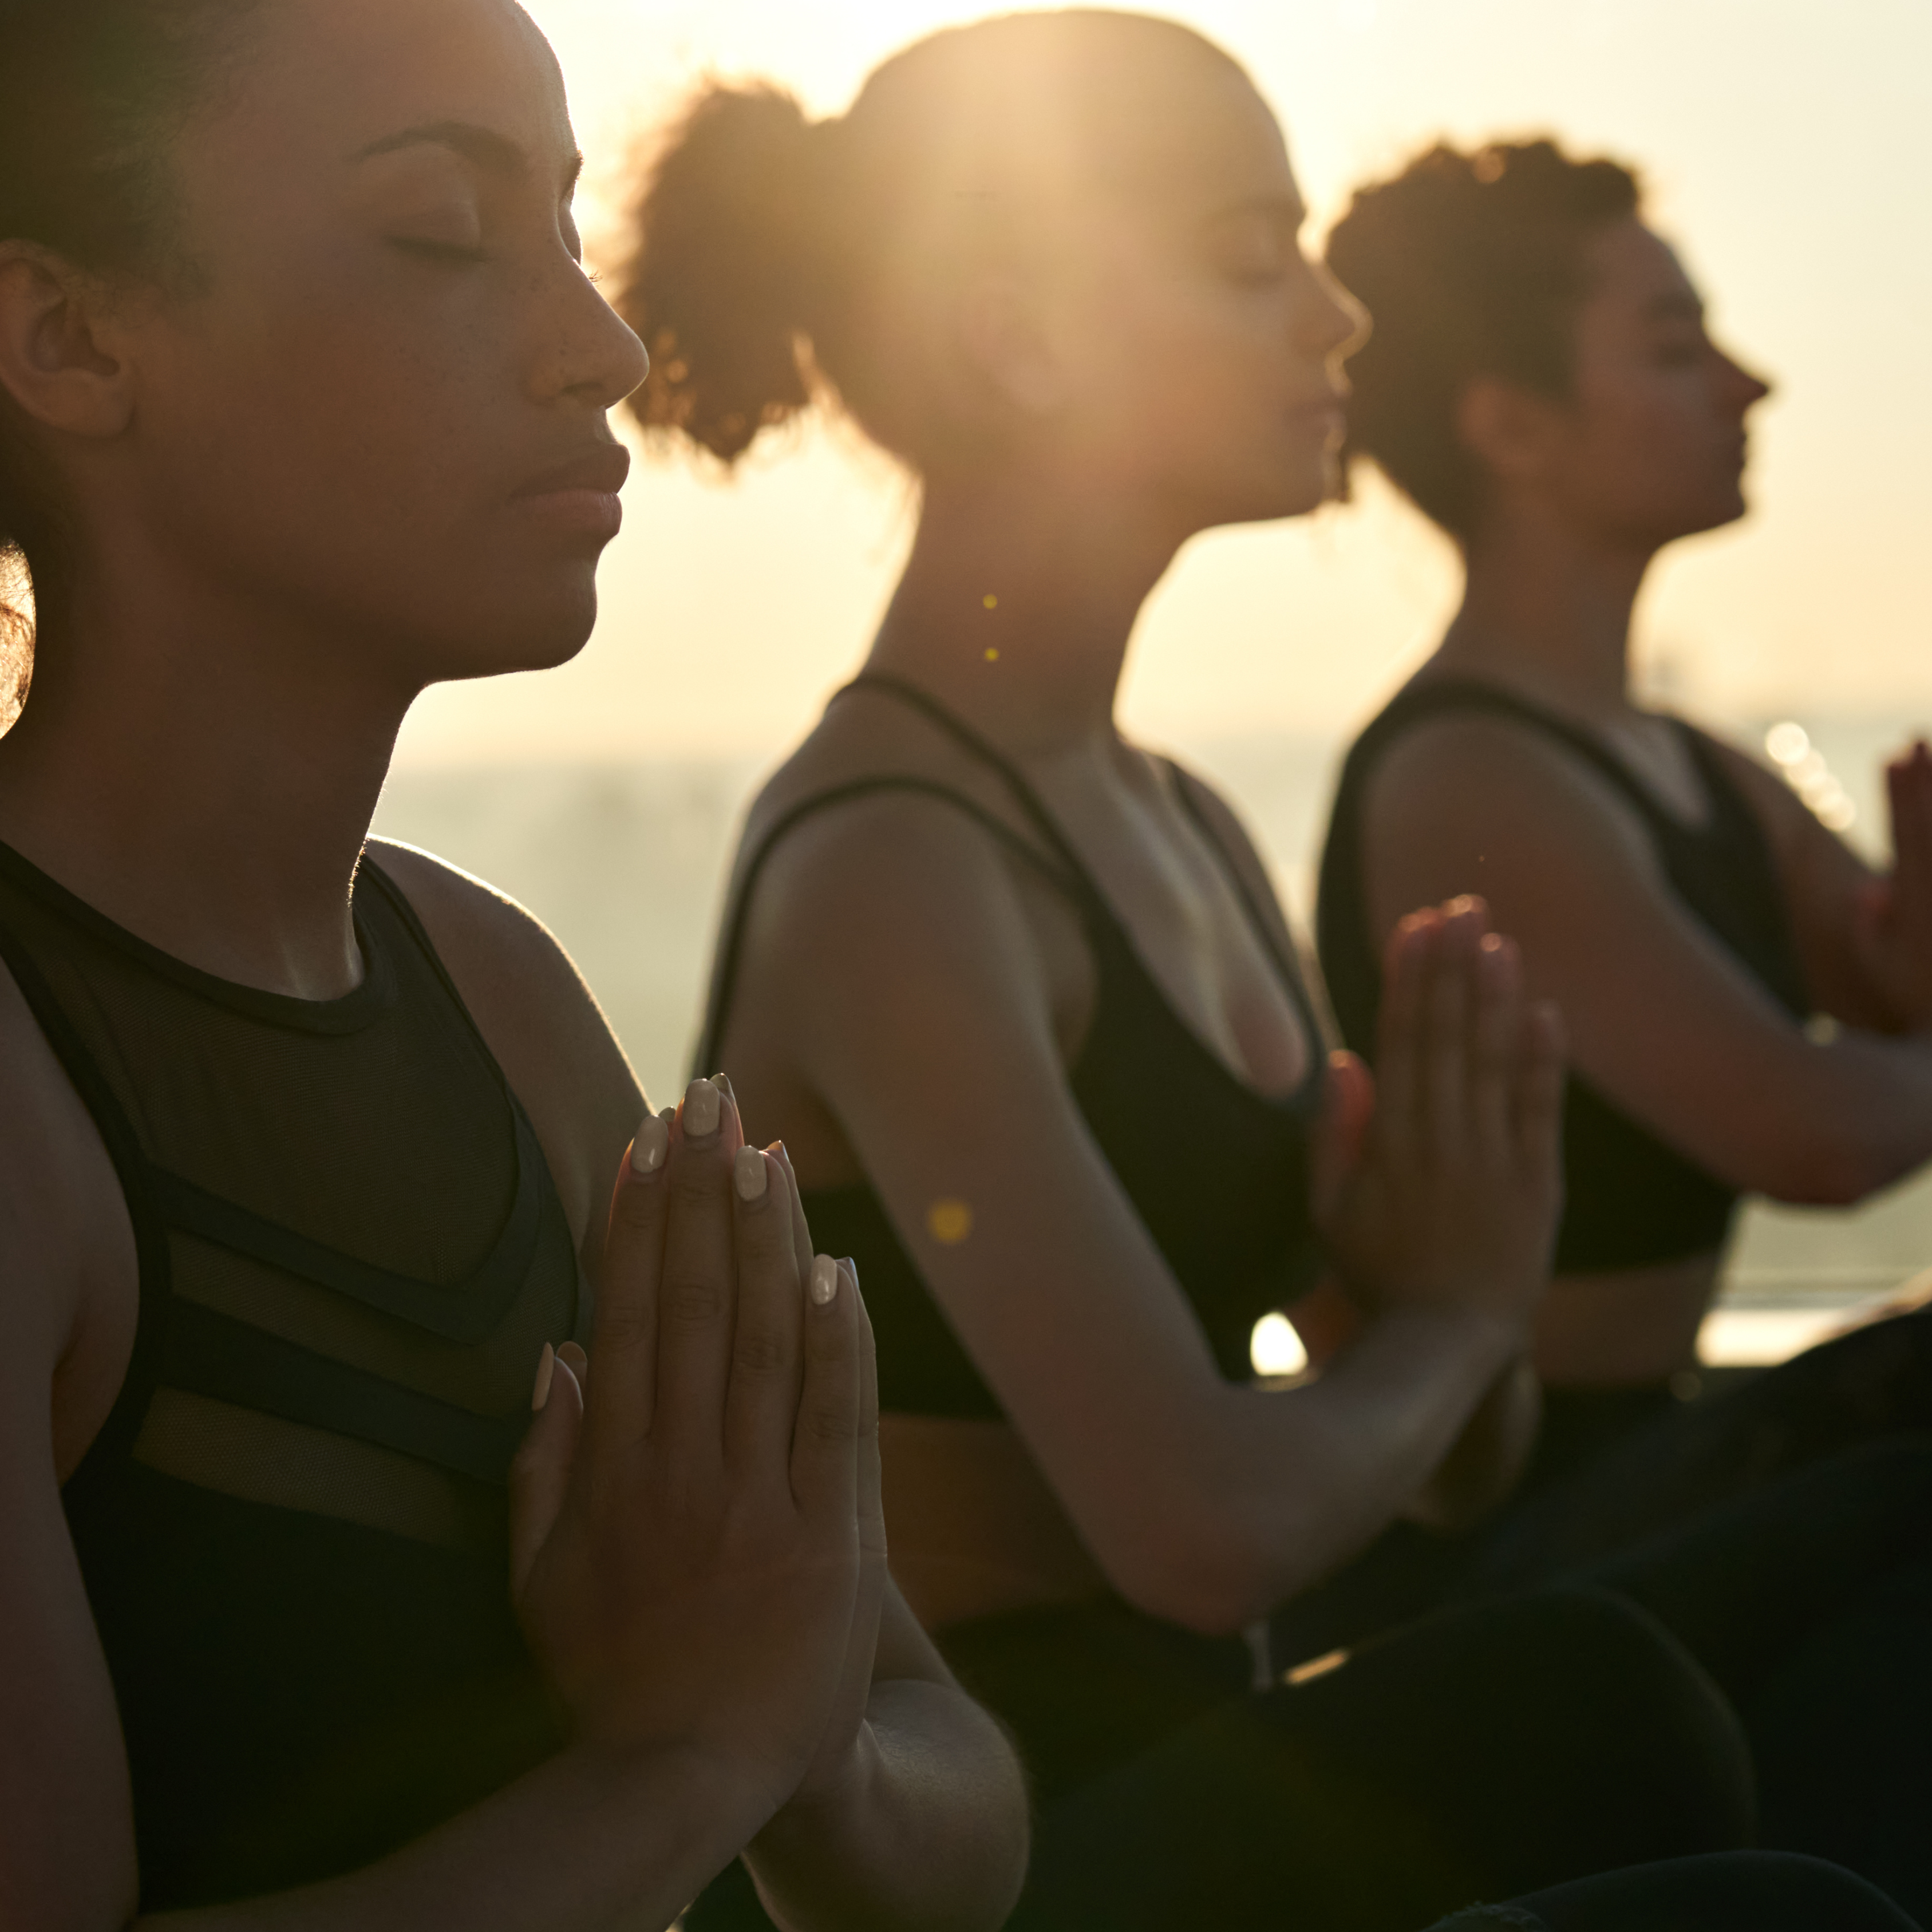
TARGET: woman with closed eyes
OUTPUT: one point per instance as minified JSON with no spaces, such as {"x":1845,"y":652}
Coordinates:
{"x":307,"y":1147}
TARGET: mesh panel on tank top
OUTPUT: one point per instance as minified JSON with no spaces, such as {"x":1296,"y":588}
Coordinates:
{"x":364,"y":1253}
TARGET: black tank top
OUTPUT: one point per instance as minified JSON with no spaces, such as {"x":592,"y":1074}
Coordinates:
{"x":1631,"y":1200}
{"x":1226,"y":1203}
{"x":291,"y":1529}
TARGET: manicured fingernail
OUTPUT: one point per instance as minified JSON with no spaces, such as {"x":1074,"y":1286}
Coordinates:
{"x":749,"y":1175}
{"x":824,"y":1288}
{"x":651,"y":1148}
{"x":722,"y":1083}
{"x":574,"y":1359}
{"x":851,"y":1268}
{"x":703,"y":1107}
{"x":546,"y":1374}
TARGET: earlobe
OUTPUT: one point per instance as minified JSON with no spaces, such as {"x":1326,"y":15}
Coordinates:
{"x":53,"y":361}
{"x":1504,"y":426}
{"x":1007,"y":344}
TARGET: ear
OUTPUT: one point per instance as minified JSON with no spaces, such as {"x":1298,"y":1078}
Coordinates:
{"x":56,"y":357}
{"x":1008,"y":340}
{"x":1510,"y":430}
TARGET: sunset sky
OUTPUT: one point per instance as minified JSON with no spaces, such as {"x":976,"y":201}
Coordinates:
{"x":1784,"y":143}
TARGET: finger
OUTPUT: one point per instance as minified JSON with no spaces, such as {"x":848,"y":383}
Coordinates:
{"x":1448,"y":1006}
{"x":625,"y":1326}
{"x":732,"y":1119}
{"x":825,"y":1443}
{"x":761,"y":1405}
{"x":1496,"y":1037}
{"x":540,"y":1472}
{"x":576,"y":1362}
{"x":1405,"y":977}
{"x":1540,"y":1080}
{"x":871,"y":1500}
{"x":698,"y":1305}
{"x":1342,"y":1134}
{"x":801,"y":1234}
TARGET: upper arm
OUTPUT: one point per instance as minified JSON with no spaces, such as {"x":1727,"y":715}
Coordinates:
{"x":1661,"y":1017}
{"x":888,"y":946}
{"x":542,"y":1023}
{"x":66,"y":1841}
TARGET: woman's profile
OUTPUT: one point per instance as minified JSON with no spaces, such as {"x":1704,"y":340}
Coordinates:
{"x":1018,"y":996}
{"x":308,"y":1148}
{"x":1542,"y":384}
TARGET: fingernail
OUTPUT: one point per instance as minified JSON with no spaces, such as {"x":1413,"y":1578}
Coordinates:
{"x":546,"y":1374}
{"x":851,"y":1268}
{"x":703,"y":1107}
{"x":722,"y":1082}
{"x":651,"y":1146}
{"x":824,"y":1287}
{"x":574,"y":1359}
{"x":749,"y":1175}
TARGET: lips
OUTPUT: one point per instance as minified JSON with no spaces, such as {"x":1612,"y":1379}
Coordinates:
{"x":599,"y":470}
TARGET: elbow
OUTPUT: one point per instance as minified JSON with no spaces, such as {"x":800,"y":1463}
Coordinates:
{"x":1833,"y":1170}
{"x":1200,"y":1565}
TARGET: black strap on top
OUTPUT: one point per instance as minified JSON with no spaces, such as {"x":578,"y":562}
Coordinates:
{"x":1439,"y":696}
{"x":1065,"y":869}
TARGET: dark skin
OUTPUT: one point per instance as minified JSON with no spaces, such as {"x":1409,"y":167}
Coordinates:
{"x":911,"y":999}
{"x":392,"y":347}
{"x":1580,"y":494}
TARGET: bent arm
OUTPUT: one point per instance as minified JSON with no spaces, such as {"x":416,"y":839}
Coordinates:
{"x":932,"y":1833}
{"x":1662,"y":1019}
{"x":910,"y":1003}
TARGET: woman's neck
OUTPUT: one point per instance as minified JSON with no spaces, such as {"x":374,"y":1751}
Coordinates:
{"x":204,"y":776}
{"x":1016,"y":608}
{"x":1548,"y":612}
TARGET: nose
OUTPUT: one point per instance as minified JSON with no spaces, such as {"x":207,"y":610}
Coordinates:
{"x":1743,"y":388}
{"x":591,"y":354}
{"x":1334,"y":323}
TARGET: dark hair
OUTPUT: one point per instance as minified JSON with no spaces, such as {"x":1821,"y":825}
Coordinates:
{"x":1470,"y":265}
{"x":777,"y":260}
{"x":97,"y":90}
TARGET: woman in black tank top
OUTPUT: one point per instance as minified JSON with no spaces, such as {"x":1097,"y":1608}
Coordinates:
{"x":307,"y":1151}
{"x":1019,"y":997}
{"x":1541,"y":384}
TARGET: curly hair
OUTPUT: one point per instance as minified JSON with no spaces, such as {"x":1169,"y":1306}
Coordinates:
{"x":1471,"y":264}
{"x":97,"y":90}
{"x":777,"y":260}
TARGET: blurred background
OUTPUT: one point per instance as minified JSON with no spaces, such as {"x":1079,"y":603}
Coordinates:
{"x":1780,"y":142}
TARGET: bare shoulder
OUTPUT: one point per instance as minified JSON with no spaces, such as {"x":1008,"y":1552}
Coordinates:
{"x":1452,"y":774}
{"x":1230,"y":833}
{"x":70,"y":1295}
{"x":541,"y":1020}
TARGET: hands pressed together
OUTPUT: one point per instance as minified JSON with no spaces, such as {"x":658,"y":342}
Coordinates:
{"x":1893,"y":918}
{"x":1437,"y":1180}
{"x":697,"y":1547}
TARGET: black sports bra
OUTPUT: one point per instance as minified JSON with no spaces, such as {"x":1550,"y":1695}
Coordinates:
{"x":292,"y":1527}
{"x":1632,"y":1200}
{"x":1226,"y":1203}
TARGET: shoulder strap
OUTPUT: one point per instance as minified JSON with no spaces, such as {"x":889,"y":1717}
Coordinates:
{"x":731,"y":943}
{"x":977,"y":745}
{"x":1439,"y":698}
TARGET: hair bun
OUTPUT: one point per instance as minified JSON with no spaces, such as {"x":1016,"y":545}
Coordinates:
{"x":719,"y":287}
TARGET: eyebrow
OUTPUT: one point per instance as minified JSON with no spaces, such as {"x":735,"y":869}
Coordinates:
{"x":482,"y":147}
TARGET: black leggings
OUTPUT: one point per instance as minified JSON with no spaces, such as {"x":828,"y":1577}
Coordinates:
{"x":1747,"y":1891}
{"x":1485,"y":1752}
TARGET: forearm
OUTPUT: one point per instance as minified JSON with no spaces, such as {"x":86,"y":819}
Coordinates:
{"x":1355,"y":1447}
{"x":930,"y":1834}
{"x":1858,"y":1118}
{"x":585,"y":1841}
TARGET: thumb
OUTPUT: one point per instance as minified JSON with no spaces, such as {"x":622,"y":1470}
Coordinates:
{"x":540,"y":1475}
{"x":1342,"y":1134}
